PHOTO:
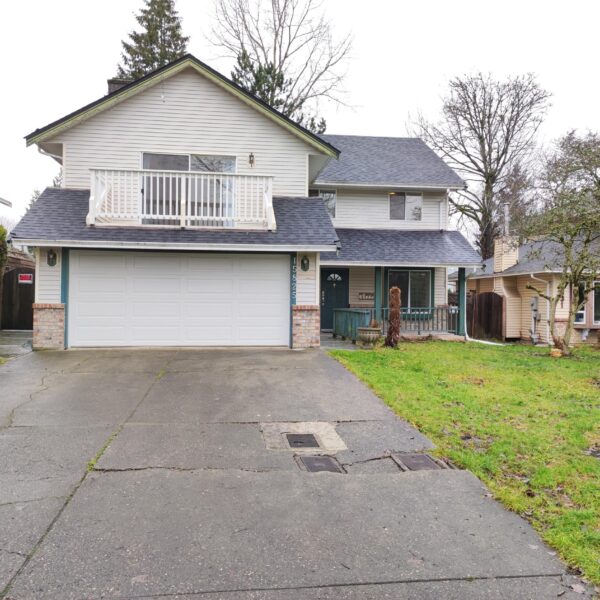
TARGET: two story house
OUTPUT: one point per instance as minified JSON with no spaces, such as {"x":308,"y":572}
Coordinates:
{"x":191,"y":213}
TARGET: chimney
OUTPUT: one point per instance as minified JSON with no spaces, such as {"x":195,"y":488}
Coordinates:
{"x":116,"y":83}
{"x":506,"y":249}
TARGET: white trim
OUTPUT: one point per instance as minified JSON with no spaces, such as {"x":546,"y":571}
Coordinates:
{"x":504,"y":274}
{"x":393,"y":186}
{"x":112,"y":245}
{"x":318,"y":276}
{"x":397,"y":263}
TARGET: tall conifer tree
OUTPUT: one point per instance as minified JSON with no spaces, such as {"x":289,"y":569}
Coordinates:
{"x":160,"y":42}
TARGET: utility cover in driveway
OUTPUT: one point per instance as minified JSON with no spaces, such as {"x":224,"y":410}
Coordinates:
{"x":416,"y":462}
{"x":316,"y":464}
{"x":302,"y":440}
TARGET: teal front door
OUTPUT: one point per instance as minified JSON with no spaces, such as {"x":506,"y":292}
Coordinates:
{"x":334,"y":294}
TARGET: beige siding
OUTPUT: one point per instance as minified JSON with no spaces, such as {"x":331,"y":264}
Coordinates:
{"x":481,"y":285}
{"x":526,"y":296}
{"x":370,"y":209}
{"x":441,"y":287}
{"x":362,"y":279}
{"x":185,"y":114}
{"x":47,"y":279}
{"x":307,"y":282}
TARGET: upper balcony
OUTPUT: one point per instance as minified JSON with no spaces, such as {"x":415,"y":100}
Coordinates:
{"x":183,"y":199}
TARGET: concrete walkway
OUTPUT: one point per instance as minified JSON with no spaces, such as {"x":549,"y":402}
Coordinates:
{"x":137,"y":474}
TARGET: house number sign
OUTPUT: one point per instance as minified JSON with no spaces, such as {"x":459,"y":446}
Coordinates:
{"x":294,"y":268}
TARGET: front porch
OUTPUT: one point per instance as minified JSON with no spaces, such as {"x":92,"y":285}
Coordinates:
{"x":354,"y":296}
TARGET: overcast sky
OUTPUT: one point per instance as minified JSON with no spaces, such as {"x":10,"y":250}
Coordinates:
{"x":55,"y":56}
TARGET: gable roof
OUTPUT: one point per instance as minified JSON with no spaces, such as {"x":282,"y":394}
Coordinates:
{"x":58,"y":218}
{"x":187,"y":61}
{"x":386,"y":161}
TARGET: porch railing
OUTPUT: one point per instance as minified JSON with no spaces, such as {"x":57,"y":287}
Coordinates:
{"x":180,"y":199}
{"x":419,"y":321}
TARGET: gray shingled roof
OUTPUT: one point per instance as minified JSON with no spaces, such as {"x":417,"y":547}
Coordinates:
{"x":386,"y":161}
{"x":409,"y":248}
{"x":59,"y":215}
{"x":534,"y":257}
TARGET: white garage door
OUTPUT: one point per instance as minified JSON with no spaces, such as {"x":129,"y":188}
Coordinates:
{"x":178,"y":299}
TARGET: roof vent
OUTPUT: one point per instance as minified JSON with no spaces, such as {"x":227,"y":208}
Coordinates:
{"x":116,"y":83}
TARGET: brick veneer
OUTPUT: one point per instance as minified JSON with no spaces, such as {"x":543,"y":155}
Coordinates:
{"x":48,"y":326}
{"x":306,"y":326}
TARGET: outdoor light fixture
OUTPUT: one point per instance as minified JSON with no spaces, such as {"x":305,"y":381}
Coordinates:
{"x":251,"y":159}
{"x":304,"y":263}
{"x":51,"y":258}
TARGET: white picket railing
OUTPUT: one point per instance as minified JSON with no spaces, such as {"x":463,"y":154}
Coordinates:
{"x":180,"y":199}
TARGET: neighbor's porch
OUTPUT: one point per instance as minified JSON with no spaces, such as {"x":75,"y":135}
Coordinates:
{"x":354,"y":296}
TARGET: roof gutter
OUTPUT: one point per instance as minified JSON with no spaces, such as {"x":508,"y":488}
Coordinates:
{"x":397,"y":263}
{"x":376,"y":186}
{"x":116,"y":245}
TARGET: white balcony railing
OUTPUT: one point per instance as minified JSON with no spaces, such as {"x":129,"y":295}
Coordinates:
{"x":180,"y":199}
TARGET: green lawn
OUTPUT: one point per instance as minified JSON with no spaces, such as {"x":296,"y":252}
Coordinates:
{"x":523,"y":422}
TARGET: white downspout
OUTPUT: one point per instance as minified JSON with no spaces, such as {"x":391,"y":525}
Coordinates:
{"x":547,"y":305}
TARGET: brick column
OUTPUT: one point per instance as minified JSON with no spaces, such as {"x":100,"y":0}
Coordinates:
{"x":306,"y":326}
{"x":49,"y":326}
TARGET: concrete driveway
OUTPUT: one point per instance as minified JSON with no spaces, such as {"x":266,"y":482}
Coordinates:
{"x":150,"y":473}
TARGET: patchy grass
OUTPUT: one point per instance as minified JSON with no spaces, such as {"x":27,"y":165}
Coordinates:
{"x":528,"y":425}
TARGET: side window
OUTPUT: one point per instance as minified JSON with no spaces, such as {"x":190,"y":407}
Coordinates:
{"x":329,"y":199}
{"x":406,"y":206}
{"x":597,"y":302}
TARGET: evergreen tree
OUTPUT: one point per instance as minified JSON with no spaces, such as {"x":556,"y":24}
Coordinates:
{"x":269,"y":83}
{"x":159,"y":43}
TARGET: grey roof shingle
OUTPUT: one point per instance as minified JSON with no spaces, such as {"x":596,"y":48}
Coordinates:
{"x":534,"y":257}
{"x":390,"y":161}
{"x":59,"y":215}
{"x":408,"y":248}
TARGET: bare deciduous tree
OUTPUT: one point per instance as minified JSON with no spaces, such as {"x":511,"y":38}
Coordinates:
{"x":487,"y":134}
{"x":566,"y":228}
{"x":291,"y":39}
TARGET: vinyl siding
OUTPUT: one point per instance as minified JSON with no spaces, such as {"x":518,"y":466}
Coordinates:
{"x":362,"y":279}
{"x":47,"y":279}
{"x":369,"y":209}
{"x":307,"y":282}
{"x":526,"y":296}
{"x":185,"y":114}
{"x":440,"y":293}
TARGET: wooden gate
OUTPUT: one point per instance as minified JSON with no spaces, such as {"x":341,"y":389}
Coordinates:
{"x":485,"y":314}
{"x":17,"y":299}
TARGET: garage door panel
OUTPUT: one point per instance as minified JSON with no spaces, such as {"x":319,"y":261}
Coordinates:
{"x":134,"y":298}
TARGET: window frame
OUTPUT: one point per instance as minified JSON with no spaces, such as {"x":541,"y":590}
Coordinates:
{"x":580,"y":315}
{"x":189,"y":157}
{"x":405,"y":195}
{"x":409,"y":270}
{"x":595,"y":291}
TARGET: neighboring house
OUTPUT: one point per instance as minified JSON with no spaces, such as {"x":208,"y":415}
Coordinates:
{"x":526,"y":315}
{"x":192,"y":213}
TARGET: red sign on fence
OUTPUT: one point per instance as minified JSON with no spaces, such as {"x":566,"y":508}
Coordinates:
{"x":25,"y":278}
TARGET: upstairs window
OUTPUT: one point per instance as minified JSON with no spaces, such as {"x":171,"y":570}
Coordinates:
{"x":329,"y":198}
{"x":406,"y":206}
